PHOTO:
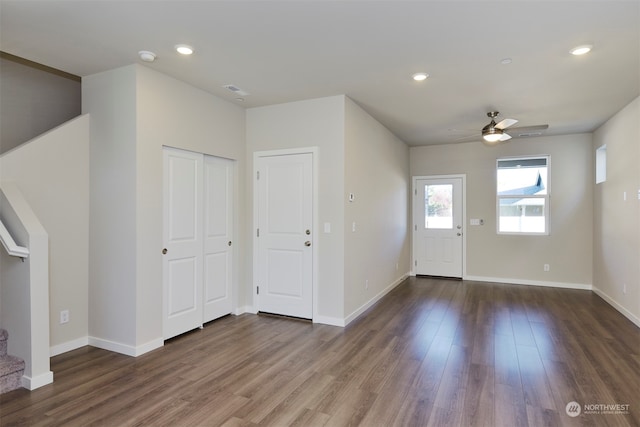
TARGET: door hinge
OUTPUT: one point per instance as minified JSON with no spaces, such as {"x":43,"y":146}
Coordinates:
{"x":257,"y":290}
{"x":415,"y":263}
{"x":415,"y":191}
{"x":257,"y":232}
{"x":257,"y":174}
{"x":415,"y":228}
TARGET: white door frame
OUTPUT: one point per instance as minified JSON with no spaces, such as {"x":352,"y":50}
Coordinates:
{"x":414,"y":191}
{"x":314,"y":211}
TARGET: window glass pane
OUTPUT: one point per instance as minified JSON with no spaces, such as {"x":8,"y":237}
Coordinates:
{"x":522,"y":177}
{"x":438,"y":211}
{"x":522,"y":215}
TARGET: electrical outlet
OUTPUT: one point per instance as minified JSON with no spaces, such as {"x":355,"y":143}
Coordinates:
{"x":64,"y":317}
{"x":624,"y":288}
{"x":366,"y":284}
{"x":546,"y":267}
{"x":396,"y":266}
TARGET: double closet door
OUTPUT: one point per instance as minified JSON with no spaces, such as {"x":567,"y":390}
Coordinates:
{"x":197,"y":236}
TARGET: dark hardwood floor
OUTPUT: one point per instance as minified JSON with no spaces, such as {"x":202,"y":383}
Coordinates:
{"x":431,"y":353}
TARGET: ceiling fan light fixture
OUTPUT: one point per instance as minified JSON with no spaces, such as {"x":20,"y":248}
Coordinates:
{"x":492,"y":137}
{"x":581,"y":50}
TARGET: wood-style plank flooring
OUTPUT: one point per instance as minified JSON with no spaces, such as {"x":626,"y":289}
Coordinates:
{"x":431,"y":353}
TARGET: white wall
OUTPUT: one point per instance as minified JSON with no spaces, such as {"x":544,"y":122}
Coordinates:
{"x":172,"y":113}
{"x":377,"y":173}
{"x":312,"y":123}
{"x":135,"y":111}
{"x":520,"y":259}
{"x":356,"y":155}
{"x":110,"y":98}
{"x":616,"y":259}
{"x":52,"y":173}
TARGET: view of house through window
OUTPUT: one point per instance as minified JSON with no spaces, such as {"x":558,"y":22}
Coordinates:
{"x":438,"y":212}
{"x":523,"y":195}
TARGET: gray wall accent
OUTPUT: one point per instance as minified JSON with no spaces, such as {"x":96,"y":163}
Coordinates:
{"x":33,"y":100}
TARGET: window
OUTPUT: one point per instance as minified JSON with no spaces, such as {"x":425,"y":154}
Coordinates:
{"x":601,"y":164}
{"x":437,"y":206}
{"x":523,"y":195}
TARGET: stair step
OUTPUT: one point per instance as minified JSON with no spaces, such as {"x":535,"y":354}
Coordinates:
{"x":4,"y":335}
{"x":11,"y":371}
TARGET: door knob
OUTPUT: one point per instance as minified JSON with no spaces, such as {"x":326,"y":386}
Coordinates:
{"x":307,"y":243}
{"x":229,"y":243}
{"x":164,"y":251}
{"x":459,"y":234}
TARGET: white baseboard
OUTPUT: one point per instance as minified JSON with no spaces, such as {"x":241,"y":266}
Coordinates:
{"x":328,"y":320}
{"x":245,"y":309}
{"x":613,"y":303}
{"x":32,"y":383}
{"x":125,"y":348}
{"x":68,"y":346}
{"x":350,"y":318}
{"x":580,"y":286}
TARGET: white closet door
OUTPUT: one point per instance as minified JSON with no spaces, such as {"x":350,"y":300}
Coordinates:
{"x":198,"y":244}
{"x":218,"y":237}
{"x":183,"y":236}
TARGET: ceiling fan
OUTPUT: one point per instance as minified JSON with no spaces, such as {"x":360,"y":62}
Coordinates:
{"x":494,"y":133}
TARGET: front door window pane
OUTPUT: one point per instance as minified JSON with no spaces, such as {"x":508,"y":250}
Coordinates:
{"x":438,"y":206}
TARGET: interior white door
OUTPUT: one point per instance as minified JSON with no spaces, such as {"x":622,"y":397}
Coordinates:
{"x":285,"y":235}
{"x":438,"y":227}
{"x":182,"y":259}
{"x":218,"y":241}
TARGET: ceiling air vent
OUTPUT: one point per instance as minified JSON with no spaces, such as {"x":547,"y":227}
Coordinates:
{"x":529,"y":134}
{"x":236,"y":90}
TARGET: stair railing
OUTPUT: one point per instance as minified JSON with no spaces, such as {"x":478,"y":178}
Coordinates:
{"x":10,"y":245}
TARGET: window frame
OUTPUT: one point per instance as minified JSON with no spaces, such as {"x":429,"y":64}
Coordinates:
{"x":546,"y":197}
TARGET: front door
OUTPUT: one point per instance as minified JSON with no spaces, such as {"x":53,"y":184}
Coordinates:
{"x":284,"y":234}
{"x":438,"y":226}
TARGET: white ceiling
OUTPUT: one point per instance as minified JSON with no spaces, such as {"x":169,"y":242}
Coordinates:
{"x":281,"y":51}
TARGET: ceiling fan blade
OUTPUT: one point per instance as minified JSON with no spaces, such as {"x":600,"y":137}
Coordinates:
{"x":506,"y":123}
{"x":505,"y":137}
{"x":469,"y":137}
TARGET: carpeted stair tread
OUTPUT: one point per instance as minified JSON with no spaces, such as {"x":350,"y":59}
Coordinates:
{"x":4,"y":335}
{"x":11,"y":367}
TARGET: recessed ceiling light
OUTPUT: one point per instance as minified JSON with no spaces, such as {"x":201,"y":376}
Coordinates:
{"x":581,"y":50}
{"x":420,"y":76}
{"x":184,"y":49}
{"x":506,"y":61}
